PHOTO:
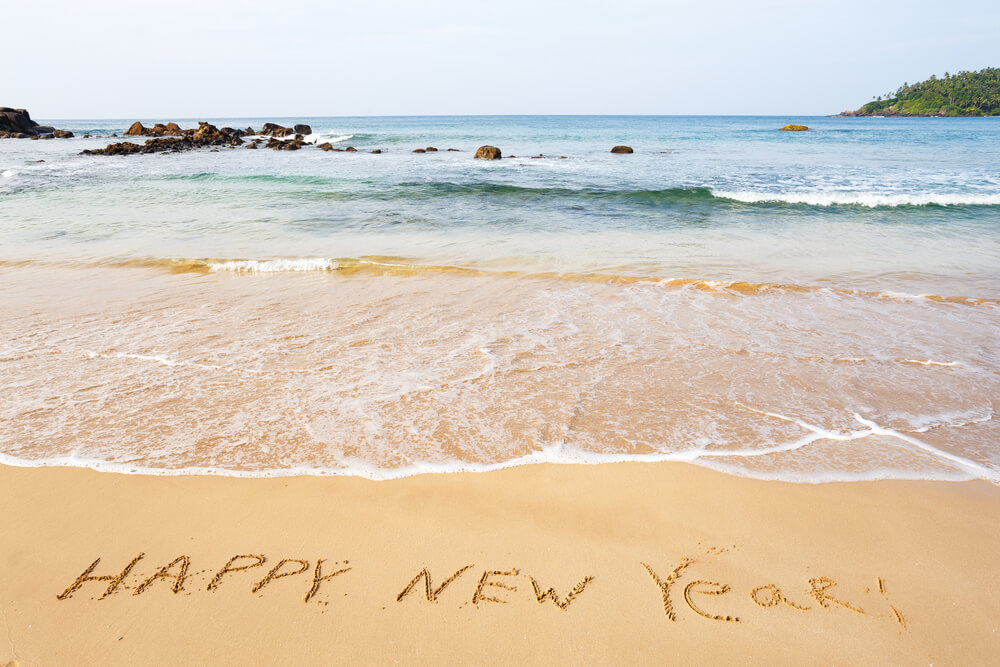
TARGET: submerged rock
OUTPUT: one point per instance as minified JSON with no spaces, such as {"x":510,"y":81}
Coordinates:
{"x":431,"y":149}
{"x":794,"y":128}
{"x":376,"y":151}
{"x":488,"y":153}
{"x":419,"y":150}
{"x":622,"y":149}
{"x":351,"y":149}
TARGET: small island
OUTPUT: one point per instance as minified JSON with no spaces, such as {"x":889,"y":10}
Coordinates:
{"x":962,"y":94}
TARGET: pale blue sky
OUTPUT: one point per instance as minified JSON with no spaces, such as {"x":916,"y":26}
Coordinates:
{"x":383,"y":57}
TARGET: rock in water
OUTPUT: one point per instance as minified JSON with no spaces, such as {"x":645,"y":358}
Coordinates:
{"x":62,"y":134}
{"x":488,"y":153}
{"x":16,"y":120}
{"x":17,"y":124}
{"x":303,"y":129}
{"x":622,"y":149}
{"x":123,"y":148}
{"x":794,"y":128}
{"x":276,"y":130}
{"x":135,"y":130}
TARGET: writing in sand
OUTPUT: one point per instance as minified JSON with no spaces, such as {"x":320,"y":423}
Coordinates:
{"x":683,"y":586}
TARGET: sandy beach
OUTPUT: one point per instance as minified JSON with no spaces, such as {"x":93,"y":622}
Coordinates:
{"x":646,"y":563}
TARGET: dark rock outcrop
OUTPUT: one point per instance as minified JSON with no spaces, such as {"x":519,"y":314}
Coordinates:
{"x":377,"y":151}
{"x":17,"y":124}
{"x":326,"y":146}
{"x":419,"y":150}
{"x":351,"y":149}
{"x":17,"y":121}
{"x":488,"y":153}
{"x":120,"y":148}
{"x":206,"y":135}
{"x":62,"y":134}
{"x":137,"y":129}
{"x":275,"y":130}
{"x":303,"y":129}
{"x":431,"y":149}
{"x":289,"y":145}
{"x":624,"y":150}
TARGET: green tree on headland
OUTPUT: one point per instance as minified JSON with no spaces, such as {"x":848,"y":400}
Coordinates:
{"x":962,"y":94}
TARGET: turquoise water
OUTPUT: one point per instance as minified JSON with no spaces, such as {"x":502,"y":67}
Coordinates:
{"x":863,"y":254}
{"x":880,"y":203}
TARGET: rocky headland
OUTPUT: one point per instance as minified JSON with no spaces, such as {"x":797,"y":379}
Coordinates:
{"x":962,"y":94}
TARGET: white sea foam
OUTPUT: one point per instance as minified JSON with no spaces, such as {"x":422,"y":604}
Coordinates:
{"x":930,"y":362}
{"x":955,"y":468}
{"x":161,"y":359}
{"x":331,"y":137}
{"x":867,"y":199}
{"x":275,"y":265}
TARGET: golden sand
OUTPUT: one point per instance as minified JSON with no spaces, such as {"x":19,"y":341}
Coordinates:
{"x":648,"y":563}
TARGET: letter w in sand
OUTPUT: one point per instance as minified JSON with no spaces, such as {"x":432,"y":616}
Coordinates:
{"x":429,"y":590}
{"x":552,"y":595}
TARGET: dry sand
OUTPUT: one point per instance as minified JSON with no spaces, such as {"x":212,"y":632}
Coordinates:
{"x":861,"y":573}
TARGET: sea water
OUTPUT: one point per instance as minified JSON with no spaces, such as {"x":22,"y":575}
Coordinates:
{"x":807,"y":306}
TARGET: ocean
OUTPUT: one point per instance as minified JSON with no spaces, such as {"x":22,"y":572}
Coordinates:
{"x":801,"y":306}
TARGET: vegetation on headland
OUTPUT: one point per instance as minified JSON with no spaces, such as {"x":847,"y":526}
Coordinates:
{"x":962,"y":94}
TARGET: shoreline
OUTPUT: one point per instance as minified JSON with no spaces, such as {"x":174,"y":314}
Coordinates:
{"x":854,"y":572}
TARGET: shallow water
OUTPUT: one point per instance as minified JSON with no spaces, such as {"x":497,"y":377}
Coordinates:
{"x":801,"y":306}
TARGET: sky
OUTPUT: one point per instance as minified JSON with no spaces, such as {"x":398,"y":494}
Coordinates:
{"x":185,"y":59}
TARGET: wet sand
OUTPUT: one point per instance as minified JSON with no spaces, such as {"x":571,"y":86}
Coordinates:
{"x":386,"y":375}
{"x":668,"y":562}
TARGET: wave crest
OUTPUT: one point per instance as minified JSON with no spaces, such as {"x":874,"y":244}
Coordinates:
{"x":865,"y":199}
